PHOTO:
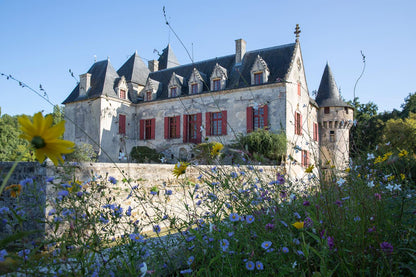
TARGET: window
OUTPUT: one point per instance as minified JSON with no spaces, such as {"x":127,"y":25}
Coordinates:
{"x":257,"y":118}
{"x":194,"y":88}
{"x":346,"y":110}
{"x":305,"y":158}
{"x":299,"y":88}
{"x":298,"y":124}
{"x":216,"y":123}
{"x":173,"y":92}
{"x":326,"y":110}
{"x":122,"y":94}
{"x":122,"y":124}
{"x":148,"y":95}
{"x":331,"y":136}
{"x":172,"y":127}
{"x":315,"y":132}
{"x":147,"y":129}
{"x":192,"y":128}
{"x":216,"y":84}
{"x":258,"y":78}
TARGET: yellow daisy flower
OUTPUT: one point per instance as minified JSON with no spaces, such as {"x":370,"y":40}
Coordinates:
{"x":180,"y":169}
{"x":15,"y":190}
{"x":45,"y":138}
{"x":298,"y":224}
{"x":216,"y":148}
{"x":403,"y":153}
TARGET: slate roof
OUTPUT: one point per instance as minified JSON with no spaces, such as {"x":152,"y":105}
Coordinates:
{"x":134,"y":70}
{"x":103,"y":82}
{"x":167,"y":59}
{"x":278,"y":60}
{"x":328,"y":93}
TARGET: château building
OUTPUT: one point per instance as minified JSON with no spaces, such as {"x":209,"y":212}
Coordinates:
{"x":171,"y":107}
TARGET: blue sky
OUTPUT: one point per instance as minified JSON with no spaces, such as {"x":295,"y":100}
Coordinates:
{"x":42,"y":40}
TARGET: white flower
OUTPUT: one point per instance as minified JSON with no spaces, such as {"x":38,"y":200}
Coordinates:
{"x":370,"y":156}
{"x":294,"y":264}
{"x":389,"y":187}
{"x":371,"y":184}
{"x":397,"y":187}
{"x":340,"y":182}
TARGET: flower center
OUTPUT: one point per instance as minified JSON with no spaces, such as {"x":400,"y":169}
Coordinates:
{"x":38,"y":142}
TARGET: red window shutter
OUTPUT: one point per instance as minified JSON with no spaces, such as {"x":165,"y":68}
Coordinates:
{"x":153,"y":128}
{"x":300,"y":124}
{"x":249,"y":119}
{"x":299,"y":87}
{"x":178,"y":126}
{"x":141,"y":135}
{"x":266,"y":116}
{"x":166,"y":127}
{"x":122,"y":124}
{"x":185,"y":128}
{"x":198,"y":126}
{"x":208,"y":124}
{"x":224,"y":123}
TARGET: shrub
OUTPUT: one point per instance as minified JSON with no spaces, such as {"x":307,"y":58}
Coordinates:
{"x":263,"y":144}
{"x":83,"y":152}
{"x":144,"y":154}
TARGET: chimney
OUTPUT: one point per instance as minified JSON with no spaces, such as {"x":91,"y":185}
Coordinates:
{"x":153,"y":65}
{"x":84,"y":83}
{"x":240,"y":50}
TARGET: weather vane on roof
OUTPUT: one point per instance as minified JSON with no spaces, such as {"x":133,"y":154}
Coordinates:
{"x":297,"y":32}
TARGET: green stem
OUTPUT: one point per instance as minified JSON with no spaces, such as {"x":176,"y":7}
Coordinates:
{"x":3,"y":184}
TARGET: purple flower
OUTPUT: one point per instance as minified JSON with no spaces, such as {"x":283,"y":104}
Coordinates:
{"x":136,"y":237}
{"x":296,"y":241}
{"x":63,"y":193}
{"x":26,"y":181}
{"x":3,"y":253}
{"x":331,"y":242}
{"x":128,"y":212}
{"x":156,"y":229}
{"x":306,"y":203}
{"x":24,"y":253}
{"x":265,"y":245}
{"x":259,"y":265}
{"x":186,"y":271}
{"x":372,"y":229}
{"x":308,"y":223}
{"x":386,"y":247}
{"x":190,"y":260}
{"x":285,"y":250}
{"x":234,"y":217}
{"x":250,"y":219}
{"x":168,"y":192}
{"x":300,"y":253}
{"x":224,"y":243}
{"x":250,"y":265}
{"x":112,"y":180}
{"x":269,"y":226}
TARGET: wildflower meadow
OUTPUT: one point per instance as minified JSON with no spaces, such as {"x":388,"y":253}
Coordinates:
{"x":234,"y":221}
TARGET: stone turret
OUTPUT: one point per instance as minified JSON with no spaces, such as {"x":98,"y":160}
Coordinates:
{"x":335,"y":120}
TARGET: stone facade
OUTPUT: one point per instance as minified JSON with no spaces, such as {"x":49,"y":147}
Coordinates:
{"x":170,"y":108}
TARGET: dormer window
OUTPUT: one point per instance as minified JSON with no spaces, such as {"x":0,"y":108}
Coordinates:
{"x":218,"y":78}
{"x":148,"y":96}
{"x":258,"y":78}
{"x":175,"y":85}
{"x":122,"y":88}
{"x":259,"y":72}
{"x":122,"y":94}
{"x":173,"y":91}
{"x":216,"y":84}
{"x":194,"y":88}
{"x":196,"y":81}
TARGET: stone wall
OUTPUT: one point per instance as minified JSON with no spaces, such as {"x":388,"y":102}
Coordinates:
{"x":37,"y":198}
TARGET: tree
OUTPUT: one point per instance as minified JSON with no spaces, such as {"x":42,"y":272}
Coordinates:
{"x":401,"y":133}
{"x":409,"y":105}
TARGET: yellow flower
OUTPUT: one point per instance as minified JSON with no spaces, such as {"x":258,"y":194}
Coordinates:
{"x":390,"y":178}
{"x":298,"y":224}
{"x":309,"y":169}
{"x":15,"y":190}
{"x":403,"y":153}
{"x":45,"y":138}
{"x":402,"y":176}
{"x":347,"y":169}
{"x":216,"y":148}
{"x":378,"y":160}
{"x":180,"y":169}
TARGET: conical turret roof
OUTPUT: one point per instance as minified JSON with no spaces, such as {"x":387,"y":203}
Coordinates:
{"x":134,"y":70}
{"x":328,"y":93}
{"x":167,"y":59}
